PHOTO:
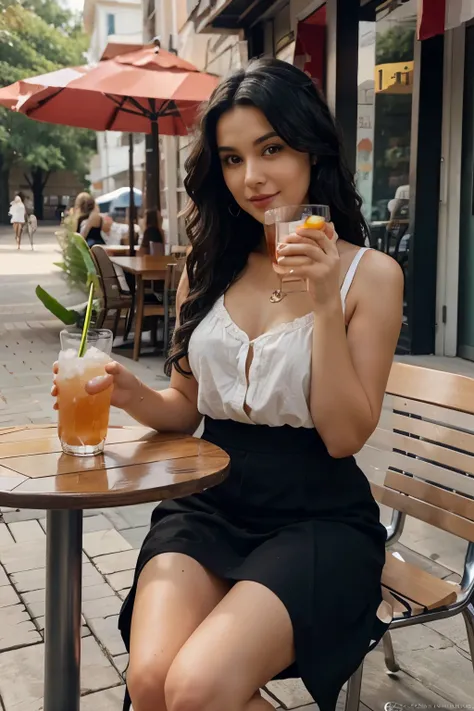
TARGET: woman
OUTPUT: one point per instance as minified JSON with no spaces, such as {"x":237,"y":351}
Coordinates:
{"x":89,"y":219}
{"x":153,"y":235}
{"x":275,"y":572}
{"x":18,"y":217}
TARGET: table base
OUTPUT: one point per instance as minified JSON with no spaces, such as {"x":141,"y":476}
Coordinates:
{"x":62,"y":687}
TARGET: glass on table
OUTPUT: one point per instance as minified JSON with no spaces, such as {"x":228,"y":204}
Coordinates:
{"x":83,"y":419}
{"x":280,"y":222}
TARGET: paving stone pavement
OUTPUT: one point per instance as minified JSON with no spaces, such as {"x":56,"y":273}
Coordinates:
{"x":435,"y":662}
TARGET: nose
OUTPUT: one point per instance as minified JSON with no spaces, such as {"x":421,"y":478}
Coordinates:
{"x":254,"y":175}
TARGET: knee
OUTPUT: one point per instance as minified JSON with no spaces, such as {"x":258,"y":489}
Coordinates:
{"x":146,"y":685}
{"x":192,"y":689}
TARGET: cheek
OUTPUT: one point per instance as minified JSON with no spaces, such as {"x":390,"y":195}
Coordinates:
{"x":294,"y":174}
{"x":235,"y":182}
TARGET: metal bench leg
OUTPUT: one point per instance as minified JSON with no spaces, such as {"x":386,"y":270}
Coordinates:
{"x":468,"y":614}
{"x":390,"y":661}
{"x":353,"y":690}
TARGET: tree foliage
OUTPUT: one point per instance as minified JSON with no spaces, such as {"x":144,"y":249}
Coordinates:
{"x":36,"y":37}
{"x":395,"y":45}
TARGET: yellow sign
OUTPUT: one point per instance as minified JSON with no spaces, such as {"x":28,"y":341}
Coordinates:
{"x":394,"y":78}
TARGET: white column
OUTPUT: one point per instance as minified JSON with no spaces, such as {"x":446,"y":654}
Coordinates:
{"x":447,"y":287}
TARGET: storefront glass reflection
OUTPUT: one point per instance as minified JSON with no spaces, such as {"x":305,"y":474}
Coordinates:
{"x":386,"y":64}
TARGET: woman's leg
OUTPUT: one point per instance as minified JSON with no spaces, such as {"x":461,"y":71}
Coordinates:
{"x":242,"y":644}
{"x":174,"y":594}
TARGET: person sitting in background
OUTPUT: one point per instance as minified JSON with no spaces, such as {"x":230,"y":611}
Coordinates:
{"x":89,"y":220}
{"x":153,"y":241}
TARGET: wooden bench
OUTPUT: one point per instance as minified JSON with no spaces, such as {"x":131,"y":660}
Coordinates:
{"x":420,"y":463}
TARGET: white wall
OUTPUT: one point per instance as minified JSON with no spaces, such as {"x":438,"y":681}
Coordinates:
{"x":112,"y":156}
{"x":128,"y":24}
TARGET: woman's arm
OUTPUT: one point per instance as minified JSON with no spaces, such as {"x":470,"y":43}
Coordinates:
{"x":350,"y":370}
{"x":173,"y":409}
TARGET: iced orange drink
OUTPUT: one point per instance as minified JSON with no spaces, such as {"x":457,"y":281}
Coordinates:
{"x":280,"y":223}
{"x":83,"y":418}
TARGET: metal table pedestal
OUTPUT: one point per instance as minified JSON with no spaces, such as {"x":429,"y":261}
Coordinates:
{"x":62,"y":630}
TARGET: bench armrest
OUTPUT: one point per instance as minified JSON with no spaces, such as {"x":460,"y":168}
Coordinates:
{"x":395,"y":527}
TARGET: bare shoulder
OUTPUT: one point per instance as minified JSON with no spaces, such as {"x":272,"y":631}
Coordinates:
{"x":379,"y":273}
{"x":94,"y":219}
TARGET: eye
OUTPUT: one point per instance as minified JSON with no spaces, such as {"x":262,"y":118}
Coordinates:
{"x":231,"y":160}
{"x":273,"y":150}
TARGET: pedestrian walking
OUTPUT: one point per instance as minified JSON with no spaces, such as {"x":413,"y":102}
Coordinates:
{"x":18,"y":216}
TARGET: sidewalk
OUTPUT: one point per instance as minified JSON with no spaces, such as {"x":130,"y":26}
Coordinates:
{"x":436,"y":667}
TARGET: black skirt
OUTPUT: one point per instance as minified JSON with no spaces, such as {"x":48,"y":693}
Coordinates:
{"x":303,"y":524}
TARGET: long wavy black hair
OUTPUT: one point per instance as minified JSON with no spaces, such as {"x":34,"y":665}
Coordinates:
{"x":221,"y":243}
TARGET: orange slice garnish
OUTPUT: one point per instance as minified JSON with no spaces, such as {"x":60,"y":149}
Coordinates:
{"x":314,"y":222}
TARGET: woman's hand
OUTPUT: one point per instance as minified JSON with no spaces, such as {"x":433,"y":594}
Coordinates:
{"x":126,"y":386}
{"x":312,"y":255}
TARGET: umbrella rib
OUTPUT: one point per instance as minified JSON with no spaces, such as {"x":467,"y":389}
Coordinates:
{"x":141,"y":108}
{"x":170,"y":109}
{"x":45,"y":100}
{"x":118,"y":107}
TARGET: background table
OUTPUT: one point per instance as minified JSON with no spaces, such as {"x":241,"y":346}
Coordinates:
{"x":117,"y":250}
{"x":146,"y":268}
{"x":138,"y":466}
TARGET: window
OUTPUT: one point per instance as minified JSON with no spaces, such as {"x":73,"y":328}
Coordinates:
{"x":110,"y":24}
{"x":385,"y":87}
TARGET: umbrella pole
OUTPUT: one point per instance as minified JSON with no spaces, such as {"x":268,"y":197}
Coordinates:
{"x":131,"y":208}
{"x":153,"y":201}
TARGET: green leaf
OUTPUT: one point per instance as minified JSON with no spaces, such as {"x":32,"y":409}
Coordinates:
{"x":67,"y":316}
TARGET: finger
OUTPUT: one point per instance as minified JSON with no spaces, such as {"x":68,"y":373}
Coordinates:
{"x":55,"y":406}
{"x":54,"y":391}
{"x":289,"y":252}
{"x":114,"y":368}
{"x":319,"y":237}
{"x":99,"y":384}
{"x":295,"y":239}
{"x":55,"y":367}
{"x":330,"y":230}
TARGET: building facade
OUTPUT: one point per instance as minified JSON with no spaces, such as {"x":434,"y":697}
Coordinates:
{"x":398,"y":75}
{"x":211,"y":52}
{"x":119,"y":21}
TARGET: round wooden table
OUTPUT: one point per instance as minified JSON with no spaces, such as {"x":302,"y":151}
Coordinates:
{"x":137,"y":466}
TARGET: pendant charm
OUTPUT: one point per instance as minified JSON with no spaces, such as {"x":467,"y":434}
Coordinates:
{"x":277,"y":296}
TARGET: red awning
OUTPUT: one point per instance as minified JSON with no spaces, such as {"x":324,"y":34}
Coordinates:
{"x":431,"y":16}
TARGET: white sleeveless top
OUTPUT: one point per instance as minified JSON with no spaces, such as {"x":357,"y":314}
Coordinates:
{"x":279,"y":379}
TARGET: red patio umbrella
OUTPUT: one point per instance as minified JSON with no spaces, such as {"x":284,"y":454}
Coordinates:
{"x":147,"y":90}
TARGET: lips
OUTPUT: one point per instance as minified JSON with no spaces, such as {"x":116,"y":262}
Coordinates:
{"x":263,"y":201}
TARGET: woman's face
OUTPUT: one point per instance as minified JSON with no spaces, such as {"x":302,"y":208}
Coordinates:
{"x":261,"y":171}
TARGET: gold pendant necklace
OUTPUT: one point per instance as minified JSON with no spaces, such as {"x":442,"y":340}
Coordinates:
{"x":277,"y":296}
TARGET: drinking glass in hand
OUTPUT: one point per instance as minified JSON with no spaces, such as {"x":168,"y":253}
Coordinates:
{"x":83,"y":419}
{"x":281,"y":222}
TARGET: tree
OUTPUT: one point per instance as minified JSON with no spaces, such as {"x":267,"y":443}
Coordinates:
{"x":38,"y":36}
{"x":395,"y":45}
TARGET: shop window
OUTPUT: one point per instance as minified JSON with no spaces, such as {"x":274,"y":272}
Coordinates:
{"x":385,"y":88}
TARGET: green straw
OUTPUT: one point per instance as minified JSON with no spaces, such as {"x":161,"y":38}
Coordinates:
{"x":87,"y":322}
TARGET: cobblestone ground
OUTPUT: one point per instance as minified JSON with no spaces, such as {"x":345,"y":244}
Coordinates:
{"x":435,"y":661}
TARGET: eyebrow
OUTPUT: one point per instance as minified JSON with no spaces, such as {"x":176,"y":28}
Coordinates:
{"x":262,"y":139}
